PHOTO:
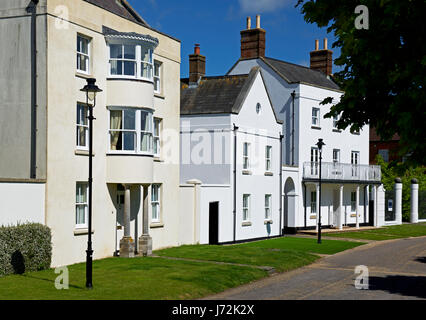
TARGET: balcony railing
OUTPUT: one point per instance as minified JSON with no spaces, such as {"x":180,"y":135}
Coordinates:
{"x":342,"y":172}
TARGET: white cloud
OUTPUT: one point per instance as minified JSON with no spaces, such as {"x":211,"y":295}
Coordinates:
{"x":260,"y":6}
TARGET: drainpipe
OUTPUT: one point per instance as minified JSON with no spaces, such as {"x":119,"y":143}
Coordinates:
{"x":235,"y":182}
{"x":32,"y":8}
{"x":281,"y":183}
{"x":293,"y":96}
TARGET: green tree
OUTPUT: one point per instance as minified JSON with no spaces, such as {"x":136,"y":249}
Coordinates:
{"x":391,"y":171}
{"x":384,"y":67}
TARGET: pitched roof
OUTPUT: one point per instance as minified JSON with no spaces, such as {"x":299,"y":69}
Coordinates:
{"x":217,"y":95}
{"x":293,"y":73}
{"x":121,"y":8}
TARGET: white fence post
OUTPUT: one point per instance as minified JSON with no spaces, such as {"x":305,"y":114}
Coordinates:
{"x":398,"y":201}
{"x":414,"y":211}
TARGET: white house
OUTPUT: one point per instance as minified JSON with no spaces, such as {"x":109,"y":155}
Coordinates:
{"x":231,"y":145}
{"x":296,"y":93}
{"x":54,"y":46}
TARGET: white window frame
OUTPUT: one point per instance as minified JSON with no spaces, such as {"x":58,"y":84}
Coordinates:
{"x":157,"y":137}
{"x":335,"y":120}
{"x":314,"y":161}
{"x":87,"y":55}
{"x":156,"y":203}
{"x":138,"y":62}
{"x":268,"y":206}
{"x":314,"y":202}
{"x":268,"y":158}
{"x":157,"y":77}
{"x":316,"y":118}
{"x":137,"y":131}
{"x":84,"y":126}
{"x":246,"y":209}
{"x":246,"y":156}
{"x":355,"y":155}
{"x":82,"y":204}
{"x":336,"y":160}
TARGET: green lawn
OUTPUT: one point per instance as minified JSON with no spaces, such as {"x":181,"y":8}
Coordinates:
{"x":139,"y":278}
{"x":165,"y":279}
{"x":385,"y":233}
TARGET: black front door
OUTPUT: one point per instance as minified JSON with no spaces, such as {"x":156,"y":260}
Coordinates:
{"x":214,"y":223}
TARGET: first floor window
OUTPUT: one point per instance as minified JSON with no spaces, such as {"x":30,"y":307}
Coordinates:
{"x":82,"y":126}
{"x":246,"y":152}
{"x":353,"y":201}
{"x":123,"y":60}
{"x":155,"y":202}
{"x":81,"y":203}
{"x":131,"y":130}
{"x":268,"y":203}
{"x":83,"y":54}
{"x":268,"y":157}
{"x":157,"y":124}
{"x":246,"y":207}
{"x":314,"y":161}
{"x":336,"y":156}
{"x":316,"y":117}
{"x":335,"y":120}
{"x":314,"y":202}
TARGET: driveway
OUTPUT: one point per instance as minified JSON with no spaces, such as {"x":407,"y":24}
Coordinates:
{"x":397,"y":270}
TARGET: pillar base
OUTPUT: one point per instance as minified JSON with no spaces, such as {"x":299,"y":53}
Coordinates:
{"x":145,"y":245}
{"x":127,"y":247}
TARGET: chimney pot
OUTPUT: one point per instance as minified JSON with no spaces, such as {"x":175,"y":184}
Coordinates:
{"x":325,"y":43}
{"x":197,"y":49}
{"x":316,"y":45}
{"x":248,"y":23}
{"x":258,"y":21}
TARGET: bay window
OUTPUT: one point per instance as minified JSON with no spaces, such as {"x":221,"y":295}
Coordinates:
{"x":130,"y":130}
{"x":130,"y":61}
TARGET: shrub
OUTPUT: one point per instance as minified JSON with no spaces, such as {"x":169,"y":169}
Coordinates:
{"x":25,"y":247}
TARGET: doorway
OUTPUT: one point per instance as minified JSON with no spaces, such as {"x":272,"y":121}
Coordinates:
{"x":214,"y":223}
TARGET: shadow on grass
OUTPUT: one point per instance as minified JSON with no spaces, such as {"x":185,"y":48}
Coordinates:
{"x":51,"y":281}
{"x":412,"y":286}
{"x":422,"y":260}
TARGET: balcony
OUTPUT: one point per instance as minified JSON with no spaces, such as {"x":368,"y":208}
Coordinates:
{"x":342,"y":172}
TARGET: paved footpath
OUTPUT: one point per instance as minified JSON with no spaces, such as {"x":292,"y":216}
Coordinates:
{"x":397,"y":270}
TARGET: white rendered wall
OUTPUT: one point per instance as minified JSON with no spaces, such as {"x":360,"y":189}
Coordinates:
{"x":21,"y":203}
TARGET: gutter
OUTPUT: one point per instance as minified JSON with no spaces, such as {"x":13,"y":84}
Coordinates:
{"x":235,"y":182}
{"x":32,"y":8}
{"x":293,"y":95}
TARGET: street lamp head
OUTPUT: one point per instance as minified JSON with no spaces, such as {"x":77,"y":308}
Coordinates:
{"x":91,"y":89}
{"x":320,"y":144}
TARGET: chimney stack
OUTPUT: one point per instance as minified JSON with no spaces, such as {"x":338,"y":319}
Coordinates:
{"x":197,"y":65}
{"x":253,"y":41}
{"x":322,"y":60}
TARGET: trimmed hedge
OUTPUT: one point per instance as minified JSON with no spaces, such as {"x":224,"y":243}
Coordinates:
{"x":25,"y":247}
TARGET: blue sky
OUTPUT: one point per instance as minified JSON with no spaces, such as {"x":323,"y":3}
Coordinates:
{"x":216,"y":26}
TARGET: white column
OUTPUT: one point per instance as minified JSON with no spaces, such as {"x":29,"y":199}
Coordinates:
{"x":398,"y":201}
{"x":127,"y":211}
{"x":317,"y":204}
{"x":145,"y":220}
{"x":414,"y":211}
{"x":341,"y":211}
{"x":357,"y":207}
{"x":374,"y":198}
{"x":367,"y":205}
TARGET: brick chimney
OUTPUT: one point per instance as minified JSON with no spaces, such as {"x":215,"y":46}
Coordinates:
{"x":253,"y":41}
{"x":197,"y":65}
{"x":322,"y":60}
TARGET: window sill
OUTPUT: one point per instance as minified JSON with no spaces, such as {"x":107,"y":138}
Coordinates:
{"x":269,"y":174}
{"x":159,"y":95}
{"x":131,"y":154}
{"x":269,"y":221}
{"x":83,"y":75}
{"x":314,"y":216}
{"x":337,"y":130}
{"x":81,"y":152}
{"x":155,"y":225}
{"x":246,"y":224}
{"x":158,"y":159}
{"x":316,"y":127}
{"x":247,"y":172}
{"x":80,"y":232}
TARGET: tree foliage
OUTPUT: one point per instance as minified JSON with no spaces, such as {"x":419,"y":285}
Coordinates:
{"x":384,"y":67}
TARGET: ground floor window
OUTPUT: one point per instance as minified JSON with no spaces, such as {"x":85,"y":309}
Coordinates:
{"x":313,"y":202}
{"x":268,"y":201}
{"x":155,"y":202}
{"x":246,"y":207}
{"x":81,"y":205}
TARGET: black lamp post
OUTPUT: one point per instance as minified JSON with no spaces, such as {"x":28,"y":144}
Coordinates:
{"x":320,"y":144}
{"x":91,"y":89}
